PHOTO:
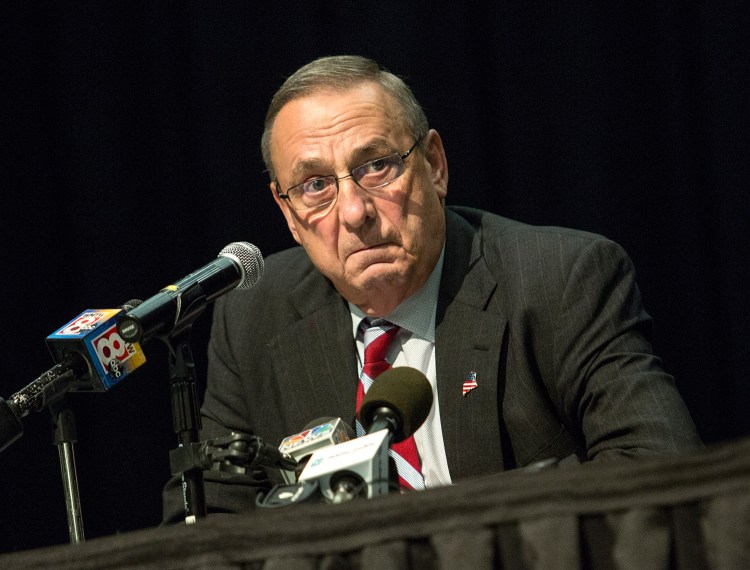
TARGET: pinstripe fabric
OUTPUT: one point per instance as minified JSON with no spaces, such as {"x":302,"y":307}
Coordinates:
{"x":550,"y":319}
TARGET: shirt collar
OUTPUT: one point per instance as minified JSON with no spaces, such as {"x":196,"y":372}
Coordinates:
{"x":415,"y":313}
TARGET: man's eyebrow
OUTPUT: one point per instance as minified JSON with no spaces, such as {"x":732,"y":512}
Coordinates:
{"x":304,"y":166}
{"x":373,"y":149}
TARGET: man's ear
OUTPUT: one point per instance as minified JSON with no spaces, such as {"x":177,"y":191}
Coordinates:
{"x":287,"y":211}
{"x":435,"y":155}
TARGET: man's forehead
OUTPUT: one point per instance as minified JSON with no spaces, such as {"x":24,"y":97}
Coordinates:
{"x":360,"y":124}
{"x":376,"y":147}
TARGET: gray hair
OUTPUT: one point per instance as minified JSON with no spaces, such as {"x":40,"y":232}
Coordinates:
{"x":341,"y":73}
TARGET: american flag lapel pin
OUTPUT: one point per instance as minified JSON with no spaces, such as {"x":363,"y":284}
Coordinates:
{"x":470,"y":383}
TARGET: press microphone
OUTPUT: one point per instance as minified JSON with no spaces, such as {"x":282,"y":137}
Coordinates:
{"x":317,"y":434}
{"x":355,"y":468}
{"x":399,"y":401}
{"x":90,"y":356}
{"x":171,"y":310}
{"x":395,"y":406}
{"x":91,"y":346}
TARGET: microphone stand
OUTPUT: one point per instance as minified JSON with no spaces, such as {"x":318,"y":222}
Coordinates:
{"x":65,"y":436}
{"x":187,"y":424}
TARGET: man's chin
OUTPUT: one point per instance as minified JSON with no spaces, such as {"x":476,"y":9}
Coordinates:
{"x":376,"y":292}
{"x":376,"y":278}
{"x":377,"y":275}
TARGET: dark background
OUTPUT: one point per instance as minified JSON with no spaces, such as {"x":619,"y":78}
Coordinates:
{"x":130,"y":138}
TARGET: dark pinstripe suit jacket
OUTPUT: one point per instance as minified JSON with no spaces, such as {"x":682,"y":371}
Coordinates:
{"x":550,"y":319}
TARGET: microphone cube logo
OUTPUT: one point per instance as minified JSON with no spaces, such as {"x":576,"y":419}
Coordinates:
{"x":83,"y":323}
{"x":298,"y":440}
{"x":112,"y":351}
{"x":113,"y":357}
{"x":95,"y":332}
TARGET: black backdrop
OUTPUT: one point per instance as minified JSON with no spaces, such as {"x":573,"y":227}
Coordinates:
{"x":130,"y":136}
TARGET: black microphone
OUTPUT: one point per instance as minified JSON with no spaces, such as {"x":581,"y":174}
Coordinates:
{"x":399,"y":400}
{"x":171,"y":310}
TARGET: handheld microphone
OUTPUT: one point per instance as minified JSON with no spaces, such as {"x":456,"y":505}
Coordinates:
{"x":317,"y":434}
{"x":90,"y":356}
{"x":171,"y":310}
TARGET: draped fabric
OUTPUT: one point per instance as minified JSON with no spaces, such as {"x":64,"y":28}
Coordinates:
{"x":685,"y":513}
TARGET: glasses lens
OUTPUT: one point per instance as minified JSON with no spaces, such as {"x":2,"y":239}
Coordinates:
{"x":379,"y":172}
{"x":313,"y":193}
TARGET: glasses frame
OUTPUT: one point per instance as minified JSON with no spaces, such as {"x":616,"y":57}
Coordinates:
{"x":402,"y":156}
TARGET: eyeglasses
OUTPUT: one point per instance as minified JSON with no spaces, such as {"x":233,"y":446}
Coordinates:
{"x":323,"y":190}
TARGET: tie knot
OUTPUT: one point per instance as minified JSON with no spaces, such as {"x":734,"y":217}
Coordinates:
{"x":378,"y":334}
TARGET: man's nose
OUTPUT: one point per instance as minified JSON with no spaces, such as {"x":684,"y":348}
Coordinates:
{"x":355,"y":204}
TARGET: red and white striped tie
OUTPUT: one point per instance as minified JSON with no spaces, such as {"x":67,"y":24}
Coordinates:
{"x":377,"y":338}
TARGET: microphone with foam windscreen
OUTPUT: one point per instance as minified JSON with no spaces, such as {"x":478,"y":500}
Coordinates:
{"x":174,"y":308}
{"x":397,"y":403}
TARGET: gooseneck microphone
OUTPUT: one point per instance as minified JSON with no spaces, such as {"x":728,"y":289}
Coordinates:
{"x":239,"y":265}
{"x":399,"y":400}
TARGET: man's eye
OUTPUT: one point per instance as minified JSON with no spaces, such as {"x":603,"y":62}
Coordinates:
{"x":315,"y":185}
{"x":376,"y":165}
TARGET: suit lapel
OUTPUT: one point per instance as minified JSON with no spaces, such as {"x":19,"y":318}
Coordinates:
{"x":315,"y":357}
{"x":469,"y":339}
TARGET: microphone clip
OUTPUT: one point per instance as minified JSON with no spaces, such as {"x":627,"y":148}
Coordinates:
{"x":234,"y":453}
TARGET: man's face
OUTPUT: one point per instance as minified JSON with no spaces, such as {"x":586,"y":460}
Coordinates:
{"x":376,"y":246}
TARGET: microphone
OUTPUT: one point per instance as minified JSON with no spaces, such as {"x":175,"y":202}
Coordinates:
{"x":325,"y":432}
{"x":91,"y":346}
{"x":91,"y":357}
{"x":399,"y":401}
{"x":171,"y":310}
{"x":317,"y":434}
{"x":355,"y":468}
{"x":233,"y":453}
{"x":395,"y":406}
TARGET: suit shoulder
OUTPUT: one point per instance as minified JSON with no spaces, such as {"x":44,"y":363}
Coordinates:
{"x":502,"y":232}
{"x":511,"y":246}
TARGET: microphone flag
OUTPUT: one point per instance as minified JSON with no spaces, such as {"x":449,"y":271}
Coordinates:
{"x":94,"y":333}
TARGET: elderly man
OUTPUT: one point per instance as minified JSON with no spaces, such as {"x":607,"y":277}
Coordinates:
{"x":534,"y":339}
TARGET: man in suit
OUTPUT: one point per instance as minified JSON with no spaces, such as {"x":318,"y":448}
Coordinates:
{"x":547,"y":322}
